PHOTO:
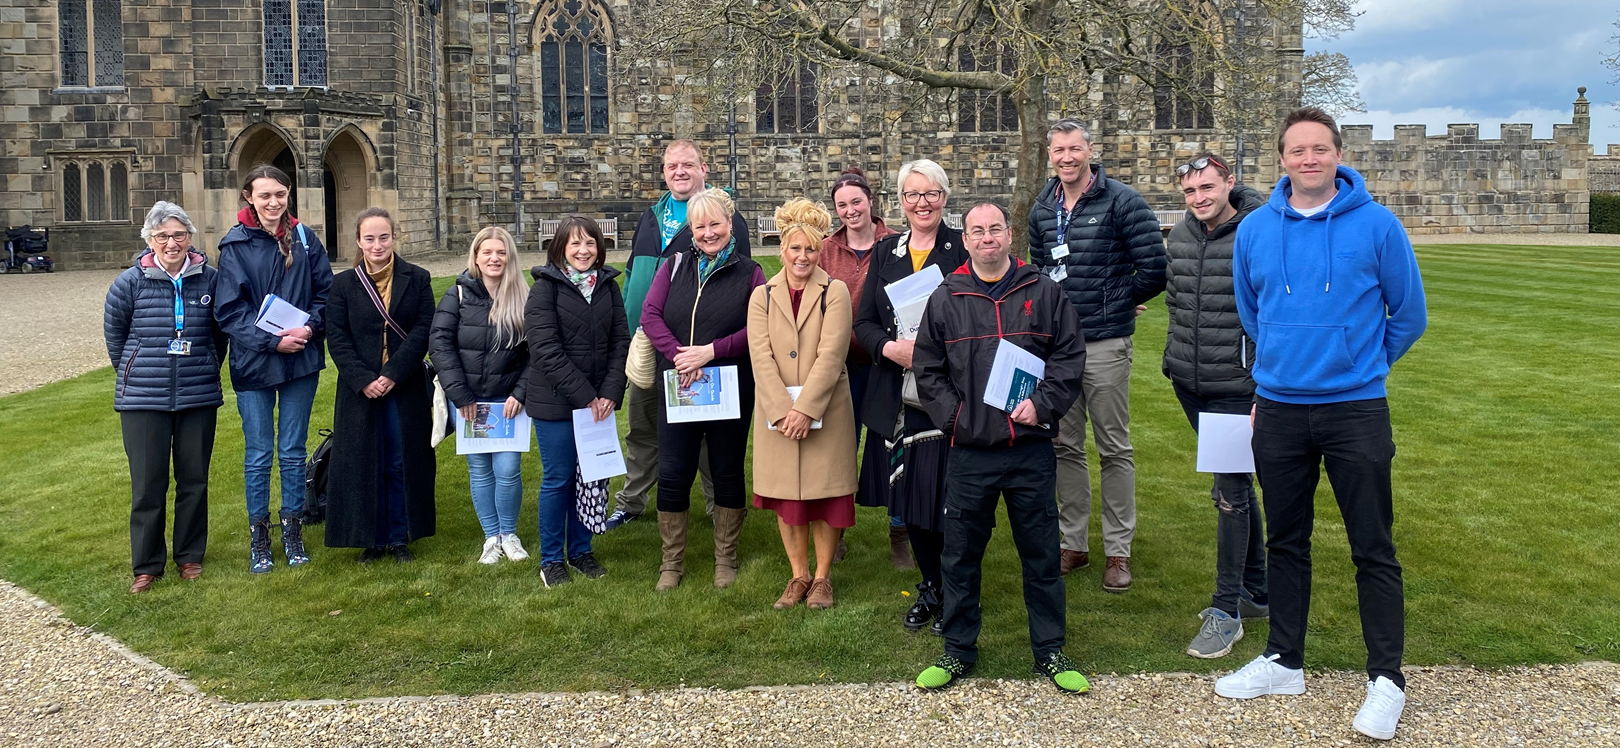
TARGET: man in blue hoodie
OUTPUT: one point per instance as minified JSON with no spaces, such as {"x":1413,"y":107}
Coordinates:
{"x":1328,"y":288}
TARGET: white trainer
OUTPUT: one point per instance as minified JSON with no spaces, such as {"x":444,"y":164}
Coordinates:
{"x":513,"y":547}
{"x":492,"y":550}
{"x":1381,"y":712}
{"x":1261,"y":677}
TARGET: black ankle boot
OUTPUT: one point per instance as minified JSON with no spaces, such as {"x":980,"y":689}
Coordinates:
{"x":926,"y":609}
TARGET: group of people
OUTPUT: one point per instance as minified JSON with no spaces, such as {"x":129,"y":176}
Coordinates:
{"x":1289,"y":310}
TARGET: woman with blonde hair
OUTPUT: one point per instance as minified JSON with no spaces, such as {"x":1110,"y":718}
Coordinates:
{"x":481,"y":353}
{"x":804,"y":423}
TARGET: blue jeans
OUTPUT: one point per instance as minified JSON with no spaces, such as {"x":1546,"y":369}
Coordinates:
{"x":557,"y":515}
{"x":496,"y":479}
{"x":264,"y":431}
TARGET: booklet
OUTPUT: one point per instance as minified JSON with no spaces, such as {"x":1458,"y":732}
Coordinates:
{"x":909,"y":295}
{"x":1013,"y":376}
{"x":276,"y":315}
{"x":1225,"y":443}
{"x":597,"y":444}
{"x":710,"y":397}
{"x":489,"y":430}
{"x":793,"y":392}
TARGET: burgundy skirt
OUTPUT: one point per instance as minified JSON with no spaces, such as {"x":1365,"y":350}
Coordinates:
{"x":838,"y":511}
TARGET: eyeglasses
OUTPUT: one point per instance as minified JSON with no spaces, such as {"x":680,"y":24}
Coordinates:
{"x":978,"y":232}
{"x":178,"y":237}
{"x":931,"y":196}
{"x":1200,"y":164}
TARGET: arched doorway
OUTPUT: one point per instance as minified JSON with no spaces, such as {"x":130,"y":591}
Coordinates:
{"x":345,"y":182}
{"x":266,"y":146}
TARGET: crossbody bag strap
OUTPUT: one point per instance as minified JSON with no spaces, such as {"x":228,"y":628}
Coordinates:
{"x":371,"y":290}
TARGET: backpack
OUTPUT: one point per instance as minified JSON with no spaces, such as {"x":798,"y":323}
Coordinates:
{"x":315,"y":475}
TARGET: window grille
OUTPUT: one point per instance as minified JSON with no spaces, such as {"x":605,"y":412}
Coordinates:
{"x":95,"y":188}
{"x":573,"y":68}
{"x":72,"y":193}
{"x":788,"y":106}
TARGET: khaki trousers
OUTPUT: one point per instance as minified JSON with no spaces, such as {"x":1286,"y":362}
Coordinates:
{"x":1105,"y":397}
{"x":641,"y":453}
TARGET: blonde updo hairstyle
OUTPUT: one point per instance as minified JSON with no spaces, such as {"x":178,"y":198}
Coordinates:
{"x":800,"y":216}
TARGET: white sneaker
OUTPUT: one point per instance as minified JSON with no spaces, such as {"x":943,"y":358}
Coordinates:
{"x":513,"y":547}
{"x":1382,"y":710}
{"x":492,"y":550}
{"x":1261,"y":677}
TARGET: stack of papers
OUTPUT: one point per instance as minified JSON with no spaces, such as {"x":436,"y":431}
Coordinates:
{"x":277,"y":316}
{"x":1013,"y":377}
{"x":909,"y":295}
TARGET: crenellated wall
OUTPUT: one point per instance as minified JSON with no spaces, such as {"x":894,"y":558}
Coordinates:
{"x":1603,"y":172}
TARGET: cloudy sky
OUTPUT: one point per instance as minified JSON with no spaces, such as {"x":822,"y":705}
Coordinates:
{"x":1436,"y":62}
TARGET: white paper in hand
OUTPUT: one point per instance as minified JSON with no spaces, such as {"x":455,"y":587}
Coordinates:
{"x":597,"y":444}
{"x":1013,"y":376}
{"x":1225,"y":443}
{"x":276,"y":315}
{"x":793,"y":392}
{"x":909,"y":295}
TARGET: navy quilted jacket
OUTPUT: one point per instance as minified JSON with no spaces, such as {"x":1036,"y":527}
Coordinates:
{"x":138,"y":325}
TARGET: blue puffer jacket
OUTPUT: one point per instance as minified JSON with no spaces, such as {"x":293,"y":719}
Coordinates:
{"x":250,"y":267}
{"x":139,"y":324}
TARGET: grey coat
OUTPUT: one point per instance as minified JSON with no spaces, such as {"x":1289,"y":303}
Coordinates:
{"x":138,"y":324}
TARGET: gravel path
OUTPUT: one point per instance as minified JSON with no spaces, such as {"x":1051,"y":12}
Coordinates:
{"x":61,"y":684}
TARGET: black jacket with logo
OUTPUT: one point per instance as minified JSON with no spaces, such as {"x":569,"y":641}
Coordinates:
{"x":1206,"y":351}
{"x":956,"y":348}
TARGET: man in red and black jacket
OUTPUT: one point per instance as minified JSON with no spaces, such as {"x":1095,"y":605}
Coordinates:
{"x":990,"y":300}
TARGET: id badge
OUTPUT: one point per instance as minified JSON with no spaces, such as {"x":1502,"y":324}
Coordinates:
{"x":179,"y":348}
{"x":1060,"y":251}
{"x":1058,"y":273}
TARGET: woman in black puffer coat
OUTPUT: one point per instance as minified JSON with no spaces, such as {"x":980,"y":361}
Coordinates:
{"x":578,"y":340}
{"x":166,"y":350}
{"x":479,"y":350}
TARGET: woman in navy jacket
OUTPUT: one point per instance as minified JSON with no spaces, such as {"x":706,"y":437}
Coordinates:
{"x":165,"y":352}
{"x":269,"y":252}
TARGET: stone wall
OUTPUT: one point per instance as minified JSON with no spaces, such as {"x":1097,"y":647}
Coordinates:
{"x":1604,"y":171}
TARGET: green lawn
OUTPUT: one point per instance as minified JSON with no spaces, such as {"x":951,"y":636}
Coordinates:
{"x":1506,"y":522}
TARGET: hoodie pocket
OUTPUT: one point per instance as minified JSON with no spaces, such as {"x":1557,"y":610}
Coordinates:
{"x":1308,"y":356}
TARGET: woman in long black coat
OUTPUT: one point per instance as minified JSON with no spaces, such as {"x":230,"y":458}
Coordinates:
{"x":380,"y":495}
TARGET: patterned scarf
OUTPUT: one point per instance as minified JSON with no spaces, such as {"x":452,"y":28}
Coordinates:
{"x":584,"y":281}
{"x":706,"y":266}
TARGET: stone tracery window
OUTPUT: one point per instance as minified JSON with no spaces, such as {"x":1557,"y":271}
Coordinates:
{"x":1176,"y":108}
{"x":294,"y":44}
{"x":95,"y":189}
{"x":986,"y":111}
{"x":788,"y":105}
{"x":90,"y":40}
{"x":573,"y":37}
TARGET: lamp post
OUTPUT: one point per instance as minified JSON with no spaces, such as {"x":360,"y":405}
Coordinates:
{"x":517,"y":123}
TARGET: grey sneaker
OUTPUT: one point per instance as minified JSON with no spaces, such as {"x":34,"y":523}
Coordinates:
{"x":1216,"y":637}
{"x":1249,"y":610}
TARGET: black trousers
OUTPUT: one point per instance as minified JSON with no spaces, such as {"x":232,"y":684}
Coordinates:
{"x":678,"y":448}
{"x":152,"y":440}
{"x":1026,"y":474}
{"x":1353,"y":440}
{"x":1240,"y":536}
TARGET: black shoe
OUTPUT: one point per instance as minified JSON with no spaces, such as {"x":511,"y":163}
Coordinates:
{"x":1063,"y":673}
{"x":292,"y":541}
{"x":937,"y":628}
{"x":370,"y":554}
{"x":621,"y":517}
{"x":925,"y":610}
{"x":401,"y":553}
{"x":585,"y":563}
{"x":259,"y":559}
{"x":554,"y":574}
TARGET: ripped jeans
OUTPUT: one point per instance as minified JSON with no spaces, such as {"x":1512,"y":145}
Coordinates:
{"x":1240,"y":537}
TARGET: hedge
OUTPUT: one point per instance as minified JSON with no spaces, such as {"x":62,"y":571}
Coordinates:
{"x":1605,"y":213}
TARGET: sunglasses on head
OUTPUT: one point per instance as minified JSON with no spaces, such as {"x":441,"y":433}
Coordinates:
{"x":1200,"y":164}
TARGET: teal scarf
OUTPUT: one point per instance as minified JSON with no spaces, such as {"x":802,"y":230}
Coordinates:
{"x":706,"y":266}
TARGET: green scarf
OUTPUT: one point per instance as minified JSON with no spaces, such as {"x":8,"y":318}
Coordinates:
{"x":584,"y":281}
{"x":706,"y":266}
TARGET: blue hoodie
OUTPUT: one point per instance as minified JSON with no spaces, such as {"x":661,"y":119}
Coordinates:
{"x":1332,"y":300}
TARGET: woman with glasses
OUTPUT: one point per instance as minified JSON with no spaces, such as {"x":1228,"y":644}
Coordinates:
{"x":903,"y":469}
{"x":165,"y":351}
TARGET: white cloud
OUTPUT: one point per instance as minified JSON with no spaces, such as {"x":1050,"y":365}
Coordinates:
{"x":1404,"y":15}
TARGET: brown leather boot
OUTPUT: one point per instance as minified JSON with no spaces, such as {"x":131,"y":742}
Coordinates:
{"x":900,"y":548}
{"x":672,"y":530}
{"x":1117,"y":575}
{"x":1071,"y":560}
{"x":727,"y":528}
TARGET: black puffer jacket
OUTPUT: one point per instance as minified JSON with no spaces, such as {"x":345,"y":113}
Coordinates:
{"x":577,"y":348}
{"x":956,"y":348}
{"x":138,"y":324}
{"x":1206,"y":351}
{"x":1116,"y":253}
{"x":475,"y":363}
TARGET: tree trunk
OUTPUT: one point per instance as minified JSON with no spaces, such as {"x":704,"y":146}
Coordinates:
{"x":1031,"y":159}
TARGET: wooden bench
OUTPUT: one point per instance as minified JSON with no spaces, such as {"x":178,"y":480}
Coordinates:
{"x":609,"y":226}
{"x":1168,"y":219}
{"x":767,"y":230}
{"x":954,"y":220}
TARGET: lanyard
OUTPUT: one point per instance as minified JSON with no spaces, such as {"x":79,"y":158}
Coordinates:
{"x":179,"y":309}
{"x":1063,"y":217}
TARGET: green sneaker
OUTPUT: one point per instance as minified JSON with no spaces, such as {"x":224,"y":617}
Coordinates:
{"x":1061,"y":670}
{"x":943,"y":673}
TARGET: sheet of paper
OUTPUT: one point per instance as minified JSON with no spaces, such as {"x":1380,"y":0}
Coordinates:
{"x":1225,"y":443}
{"x":275,"y":315}
{"x":712,"y":397}
{"x":793,"y":392}
{"x":490,"y":430}
{"x":909,"y":295}
{"x":597,"y":443}
{"x":1013,"y":376}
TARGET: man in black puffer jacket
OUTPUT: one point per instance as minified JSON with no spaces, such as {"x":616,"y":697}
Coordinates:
{"x":1207,"y":357}
{"x":1100,"y":241}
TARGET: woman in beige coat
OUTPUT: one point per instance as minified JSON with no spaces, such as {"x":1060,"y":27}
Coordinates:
{"x":804,"y":424}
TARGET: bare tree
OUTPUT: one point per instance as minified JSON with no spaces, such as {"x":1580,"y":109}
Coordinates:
{"x":1329,"y":81}
{"x":1059,"y":51}
{"x":1612,"y":62}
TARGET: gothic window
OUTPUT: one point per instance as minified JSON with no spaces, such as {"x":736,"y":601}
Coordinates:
{"x":90,"y":36}
{"x":1175,"y":108}
{"x":788,"y":105}
{"x":294,"y":43}
{"x":573,"y":37}
{"x":985,"y":111}
{"x":95,"y":189}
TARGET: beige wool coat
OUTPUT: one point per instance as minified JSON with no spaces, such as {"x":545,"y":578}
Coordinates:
{"x":808,"y":351}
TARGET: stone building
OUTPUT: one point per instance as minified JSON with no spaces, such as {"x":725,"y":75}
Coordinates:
{"x":1605,"y":171}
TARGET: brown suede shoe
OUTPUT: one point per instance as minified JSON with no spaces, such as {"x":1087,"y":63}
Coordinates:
{"x":1117,"y":575}
{"x":794,"y":594}
{"x":143,"y":582}
{"x":820,"y":597}
{"x":1070,"y":560}
{"x":191,"y":572}
{"x":900,"y":548}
